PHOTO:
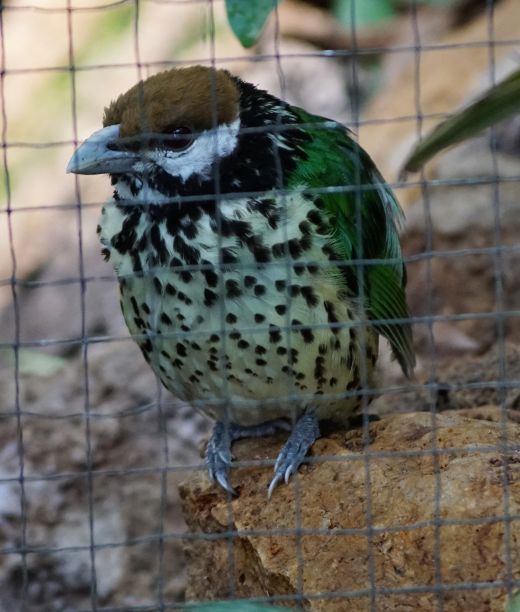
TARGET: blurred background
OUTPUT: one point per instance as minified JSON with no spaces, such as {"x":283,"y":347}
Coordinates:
{"x":74,"y":395}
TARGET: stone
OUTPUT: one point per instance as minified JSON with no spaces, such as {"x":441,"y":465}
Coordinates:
{"x":388,"y":527}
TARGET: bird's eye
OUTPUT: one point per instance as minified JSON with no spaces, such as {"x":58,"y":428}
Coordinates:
{"x":177,"y":138}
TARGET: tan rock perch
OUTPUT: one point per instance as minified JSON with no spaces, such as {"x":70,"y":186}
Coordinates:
{"x":406,"y":553}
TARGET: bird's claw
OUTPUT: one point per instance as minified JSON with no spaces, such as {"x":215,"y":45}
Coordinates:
{"x":303,"y":436}
{"x":219,"y":457}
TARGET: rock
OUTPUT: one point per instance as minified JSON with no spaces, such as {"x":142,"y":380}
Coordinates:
{"x":456,"y":384}
{"x":333,"y":505}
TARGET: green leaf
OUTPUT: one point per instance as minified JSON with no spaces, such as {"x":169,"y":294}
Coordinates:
{"x":497,"y":104}
{"x":247,"y":18}
{"x":363,"y":12}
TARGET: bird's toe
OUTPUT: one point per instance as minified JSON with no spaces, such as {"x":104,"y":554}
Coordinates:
{"x":303,"y":436}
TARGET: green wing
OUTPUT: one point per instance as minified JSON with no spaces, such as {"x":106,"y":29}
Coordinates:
{"x":366,"y":221}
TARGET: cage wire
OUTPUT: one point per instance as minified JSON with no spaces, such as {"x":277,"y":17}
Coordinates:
{"x":23,"y":547}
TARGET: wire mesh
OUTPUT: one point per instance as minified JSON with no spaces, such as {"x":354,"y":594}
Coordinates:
{"x":93,"y":448}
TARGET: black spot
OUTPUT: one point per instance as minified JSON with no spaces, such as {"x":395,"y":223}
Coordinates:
{"x":106,"y":254}
{"x":261,"y":254}
{"x":193,"y":379}
{"x":185,"y":328}
{"x":260,"y":350}
{"x":180,"y":316}
{"x":209,"y":274}
{"x":135,"y":308}
{"x":214,"y":338}
{"x":190,"y":230}
{"x":294,"y":248}
{"x":305,"y":243}
{"x":305,"y":227}
{"x":165,"y":319}
{"x":242,"y":344}
{"x":188,"y":253}
{"x":186,"y":276}
{"x":146,"y":345}
{"x":249,"y":281}
{"x":307,"y":335}
{"x":210,"y":297}
{"x":310,"y":297}
{"x":259,"y":290}
{"x":278,"y":249}
{"x":333,"y":381}
{"x":314,"y":216}
{"x":195,"y":346}
{"x":145,"y":308}
{"x":280,"y":309}
{"x":322,"y":349}
{"x":280,"y":285}
{"x":232,"y":289}
{"x":231,"y":318}
{"x":294,"y":290}
{"x":274,"y":334}
{"x":261,"y":362}
{"x":313,"y":268}
{"x":299,"y":269}
{"x":139,"y":322}
{"x":319,"y":370}
{"x":235,"y":335}
{"x":184,"y":298}
{"x":273,"y":219}
{"x":281,"y":350}
{"x":259,"y":318}
{"x":170,"y":289}
{"x":158,"y":285}
{"x":166,"y":354}
{"x":227,"y":256}
{"x":158,"y":244}
{"x":265,"y":206}
{"x":300,"y":376}
{"x":181,"y":349}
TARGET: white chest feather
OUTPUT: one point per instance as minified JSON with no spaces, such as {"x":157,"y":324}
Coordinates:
{"x":244,"y":313}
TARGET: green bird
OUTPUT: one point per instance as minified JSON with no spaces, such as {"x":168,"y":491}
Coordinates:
{"x":257,"y":252}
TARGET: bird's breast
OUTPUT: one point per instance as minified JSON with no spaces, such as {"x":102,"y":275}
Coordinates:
{"x":241,"y":311}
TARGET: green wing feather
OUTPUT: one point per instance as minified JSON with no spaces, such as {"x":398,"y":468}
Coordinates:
{"x":333,"y":159}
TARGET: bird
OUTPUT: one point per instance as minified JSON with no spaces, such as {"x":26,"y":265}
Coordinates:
{"x":258,"y":256}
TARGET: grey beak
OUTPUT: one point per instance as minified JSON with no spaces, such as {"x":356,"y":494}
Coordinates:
{"x":94,"y":156}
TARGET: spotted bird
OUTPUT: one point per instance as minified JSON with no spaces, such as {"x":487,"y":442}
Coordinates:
{"x":258,"y":257}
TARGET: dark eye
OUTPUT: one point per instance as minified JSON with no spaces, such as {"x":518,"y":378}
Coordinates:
{"x":177,"y":138}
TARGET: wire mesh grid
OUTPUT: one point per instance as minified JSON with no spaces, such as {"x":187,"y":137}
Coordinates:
{"x":93,"y":541}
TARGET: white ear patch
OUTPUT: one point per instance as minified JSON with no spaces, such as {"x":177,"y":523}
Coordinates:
{"x":200,"y":156}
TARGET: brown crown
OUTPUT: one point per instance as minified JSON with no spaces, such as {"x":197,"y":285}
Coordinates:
{"x":182,"y":97}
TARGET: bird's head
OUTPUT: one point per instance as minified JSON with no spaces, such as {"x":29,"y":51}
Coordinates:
{"x":176,"y":122}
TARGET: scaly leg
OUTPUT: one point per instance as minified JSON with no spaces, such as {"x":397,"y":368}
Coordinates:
{"x":218,"y":453}
{"x":305,"y":432}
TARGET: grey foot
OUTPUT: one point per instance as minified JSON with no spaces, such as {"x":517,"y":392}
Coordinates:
{"x":218,"y":452}
{"x":305,"y":432}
